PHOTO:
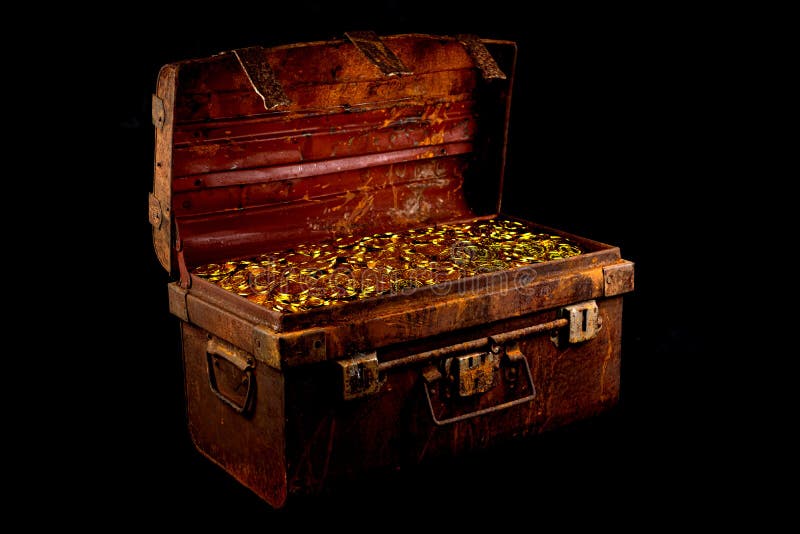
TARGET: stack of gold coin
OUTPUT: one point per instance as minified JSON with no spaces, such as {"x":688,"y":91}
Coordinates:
{"x":353,"y":267}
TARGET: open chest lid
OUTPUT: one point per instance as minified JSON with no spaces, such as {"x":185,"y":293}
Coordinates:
{"x":264,"y":148}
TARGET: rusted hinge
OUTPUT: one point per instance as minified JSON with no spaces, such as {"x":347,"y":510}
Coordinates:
{"x":154,"y":212}
{"x":375,"y":50}
{"x":360,"y":375}
{"x":482,"y":58}
{"x":158,"y":112}
{"x":261,"y":76}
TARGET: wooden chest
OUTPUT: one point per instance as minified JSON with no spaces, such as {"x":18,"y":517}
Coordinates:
{"x":375,"y":165}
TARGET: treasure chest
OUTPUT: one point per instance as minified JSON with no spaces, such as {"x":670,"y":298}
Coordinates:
{"x":351,"y":294}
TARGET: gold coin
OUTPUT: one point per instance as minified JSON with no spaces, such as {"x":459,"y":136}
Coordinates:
{"x":290,"y":288}
{"x":345,"y":242}
{"x":568,"y":250}
{"x":359,"y":259}
{"x":446,"y":275}
{"x":314,"y":302}
{"x":494,"y":265}
{"x":234,"y":281}
{"x":404,"y":284}
{"x":296,"y":258}
{"x":389,"y":264}
{"x":312,"y":275}
{"x":339,"y":293}
{"x":215,"y":269}
{"x":263,"y":282}
{"x":258,"y":298}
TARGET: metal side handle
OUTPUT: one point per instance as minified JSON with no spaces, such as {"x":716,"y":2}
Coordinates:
{"x":217,"y":350}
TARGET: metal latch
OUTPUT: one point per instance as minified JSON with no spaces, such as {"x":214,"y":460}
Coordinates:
{"x":360,"y":375}
{"x":476,"y":373}
{"x":583,"y":322}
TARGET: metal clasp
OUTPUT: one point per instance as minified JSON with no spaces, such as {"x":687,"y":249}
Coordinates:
{"x":473,"y":378}
{"x":583,"y":323}
{"x":476,"y":373}
{"x":360,"y":375}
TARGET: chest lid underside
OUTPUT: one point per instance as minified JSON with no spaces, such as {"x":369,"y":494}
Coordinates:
{"x":271,"y":147}
{"x":265,"y":150}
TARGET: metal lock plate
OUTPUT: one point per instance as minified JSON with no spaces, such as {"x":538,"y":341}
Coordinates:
{"x":584,"y":321}
{"x":476,"y":373}
{"x":360,"y":376}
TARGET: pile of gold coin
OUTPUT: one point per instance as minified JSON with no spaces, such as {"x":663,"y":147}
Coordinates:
{"x":352,"y":267}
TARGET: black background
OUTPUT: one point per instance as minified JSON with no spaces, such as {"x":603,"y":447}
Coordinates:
{"x":615,"y":122}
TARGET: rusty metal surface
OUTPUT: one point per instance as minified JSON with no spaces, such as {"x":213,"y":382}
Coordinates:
{"x":250,"y":447}
{"x":386,"y":323}
{"x":584,"y":321}
{"x":360,"y":376}
{"x":177,"y":301}
{"x":378,"y":53}
{"x":434,"y":354}
{"x":266,"y":346}
{"x":483,"y":59}
{"x":160,"y":203}
{"x":255,"y":65}
{"x":569,"y":384}
{"x":217,"y":352}
{"x":158,"y":112}
{"x":618,"y":278}
{"x":460,"y":311}
{"x":302,"y":348}
{"x":353,"y":151}
{"x":412,"y":316}
{"x":394,"y":427}
{"x":222,"y":323}
{"x":508,"y":337}
{"x":476,"y":344}
{"x":289,"y":349}
{"x":439,"y":421}
{"x":154,"y":212}
{"x":477,"y":373}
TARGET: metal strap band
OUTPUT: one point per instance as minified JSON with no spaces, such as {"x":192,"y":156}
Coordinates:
{"x":261,"y":76}
{"x":378,"y":53}
{"x":482,"y":58}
